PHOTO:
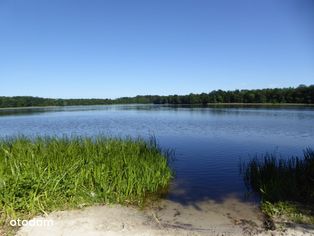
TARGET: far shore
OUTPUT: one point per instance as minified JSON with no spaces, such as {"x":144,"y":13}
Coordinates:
{"x":168,"y":104}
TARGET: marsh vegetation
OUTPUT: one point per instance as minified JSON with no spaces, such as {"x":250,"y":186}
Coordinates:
{"x":45,"y":174}
{"x":286,"y":186}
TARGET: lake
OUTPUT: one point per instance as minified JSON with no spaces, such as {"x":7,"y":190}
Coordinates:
{"x":209,"y":143}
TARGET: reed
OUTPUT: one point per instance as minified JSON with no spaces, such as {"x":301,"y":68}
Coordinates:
{"x":286,"y":186}
{"x":45,"y":174}
{"x":278,"y":179}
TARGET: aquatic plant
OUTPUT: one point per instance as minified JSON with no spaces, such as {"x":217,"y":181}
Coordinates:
{"x":45,"y":174}
{"x":286,"y":186}
{"x":279,"y":179}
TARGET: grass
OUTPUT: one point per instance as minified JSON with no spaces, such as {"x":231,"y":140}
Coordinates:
{"x":45,"y":174}
{"x":285,"y":211}
{"x":286,"y":187}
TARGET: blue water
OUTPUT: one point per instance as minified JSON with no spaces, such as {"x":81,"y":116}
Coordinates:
{"x":209,"y":143}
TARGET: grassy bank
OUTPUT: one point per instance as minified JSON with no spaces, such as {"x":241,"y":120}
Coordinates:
{"x":286,"y":187}
{"x":47,"y":174}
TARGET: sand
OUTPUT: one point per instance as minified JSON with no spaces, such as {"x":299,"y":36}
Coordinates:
{"x":228,"y":218}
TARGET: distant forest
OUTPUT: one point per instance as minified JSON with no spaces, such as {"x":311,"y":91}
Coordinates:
{"x":302,"y":94}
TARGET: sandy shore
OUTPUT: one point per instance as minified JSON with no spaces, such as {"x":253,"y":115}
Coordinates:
{"x":229,"y":218}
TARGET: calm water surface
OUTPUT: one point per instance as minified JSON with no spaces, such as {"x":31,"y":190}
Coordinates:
{"x":209,"y":143}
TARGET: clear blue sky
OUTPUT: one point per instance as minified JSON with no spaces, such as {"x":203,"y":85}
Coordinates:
{"x":99,"y":48}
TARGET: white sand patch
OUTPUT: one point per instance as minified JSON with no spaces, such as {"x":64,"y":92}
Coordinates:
{"x":230,"y":218}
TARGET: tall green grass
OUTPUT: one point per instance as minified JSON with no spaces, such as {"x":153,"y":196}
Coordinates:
{"x":286,"y":186}
{"x":45,"y":174}
{"x":278,"y":179}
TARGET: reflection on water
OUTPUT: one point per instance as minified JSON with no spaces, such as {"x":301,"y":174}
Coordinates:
{"x":208,"y":142}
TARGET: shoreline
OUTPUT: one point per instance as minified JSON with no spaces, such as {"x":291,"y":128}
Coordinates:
{"x":171,"y":219}
{"x":166,"y":104}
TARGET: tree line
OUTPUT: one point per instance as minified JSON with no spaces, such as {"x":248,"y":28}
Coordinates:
{"x":302,"y":94}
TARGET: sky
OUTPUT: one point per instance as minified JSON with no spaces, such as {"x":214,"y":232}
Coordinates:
{"x":109,"y":49}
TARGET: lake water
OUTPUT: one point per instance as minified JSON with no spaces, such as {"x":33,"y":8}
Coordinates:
{"x":209,"y":143}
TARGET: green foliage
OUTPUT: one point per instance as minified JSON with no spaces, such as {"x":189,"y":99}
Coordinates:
{"x":295,"y":212}
{"x":279,"y":180}
{"x":302,"y":94}
{"x":286,"y":187}
{"x":45,"y":174}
